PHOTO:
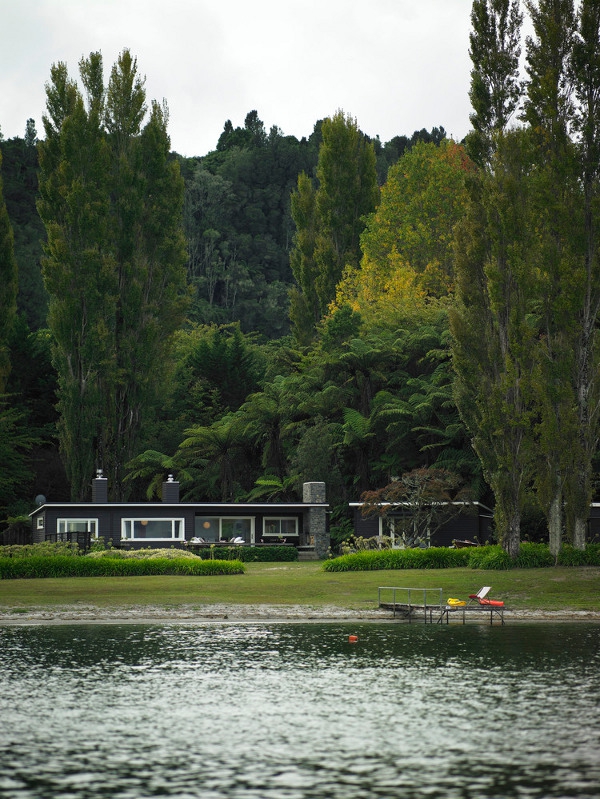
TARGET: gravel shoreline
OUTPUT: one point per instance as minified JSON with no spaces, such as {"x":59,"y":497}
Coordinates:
{"x":225,"y":613}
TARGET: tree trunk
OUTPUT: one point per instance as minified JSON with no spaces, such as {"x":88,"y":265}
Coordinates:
{"x":579,"y":533}
{"x":511,"y":539}
{"x":555,"y":520}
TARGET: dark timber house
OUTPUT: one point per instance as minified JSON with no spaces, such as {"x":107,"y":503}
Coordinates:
{"x":172,"y":523}
{"x":471,"y":521}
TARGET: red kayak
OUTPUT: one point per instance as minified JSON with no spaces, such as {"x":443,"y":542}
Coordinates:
{"x":496,"y":603}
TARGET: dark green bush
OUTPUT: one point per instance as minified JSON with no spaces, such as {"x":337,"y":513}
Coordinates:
{"x":247,"y":554}
{"x":371,"y":560}
{"x":534,"y":556}
{"x":493,"y":557}
{"x":66,"y":566}
{"x":590,"y":556}
{"x":489,"y":557}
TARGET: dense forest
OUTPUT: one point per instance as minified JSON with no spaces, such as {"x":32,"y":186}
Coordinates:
{"x":419,"y":315}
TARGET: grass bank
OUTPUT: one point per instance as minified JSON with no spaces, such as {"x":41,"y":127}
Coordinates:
{"x":305,"y":583}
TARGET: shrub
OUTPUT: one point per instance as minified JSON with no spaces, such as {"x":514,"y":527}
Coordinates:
{"x":66,"y":566}
{"x":370,"y":560}
{"x":493,"y":557}
{"x":534,"y":556}
{"x":45,"y":549}
{"x":590,"y":556}
{"x":489,"y":557}
{"x":144,"y":554}
{"x":247,"y":554}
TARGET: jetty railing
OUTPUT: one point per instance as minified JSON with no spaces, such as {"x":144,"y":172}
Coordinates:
{"x":404,"y":600}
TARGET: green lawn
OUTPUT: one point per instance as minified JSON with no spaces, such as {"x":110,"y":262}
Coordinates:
{"x":306,"y":583}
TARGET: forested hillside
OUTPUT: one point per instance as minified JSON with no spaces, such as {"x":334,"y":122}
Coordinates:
{"x":379,"y":316}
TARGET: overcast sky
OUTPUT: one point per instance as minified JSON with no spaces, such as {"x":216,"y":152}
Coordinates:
{"x":394,"y":65}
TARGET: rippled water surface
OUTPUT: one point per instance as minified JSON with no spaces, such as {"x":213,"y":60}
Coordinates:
{"x":289,"y":711}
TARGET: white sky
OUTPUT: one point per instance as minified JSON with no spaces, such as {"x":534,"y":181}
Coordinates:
{"x":395,"y":65}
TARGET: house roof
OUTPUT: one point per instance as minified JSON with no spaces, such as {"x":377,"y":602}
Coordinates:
{"x":412,"y":504}
{"x":247,"y":507}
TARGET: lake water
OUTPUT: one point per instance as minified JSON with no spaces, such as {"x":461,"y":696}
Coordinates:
{"x":290,"y":711}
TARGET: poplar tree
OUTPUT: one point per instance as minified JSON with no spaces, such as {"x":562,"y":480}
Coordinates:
{"x":548,"y":110}
{"x":554,"y":269}
{"x":491,"y":337}
{"x":330,"y":219}
{"x":495,"y":89}
{"x":111,"y":201}
{"x":305,"y":311}
{"x":8,"y":287}
{"x":585,"y":76}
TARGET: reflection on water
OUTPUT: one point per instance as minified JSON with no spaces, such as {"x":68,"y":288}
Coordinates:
{"x":290,"y":711}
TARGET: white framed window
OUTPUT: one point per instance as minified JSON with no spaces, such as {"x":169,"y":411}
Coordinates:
{"x":40,"y":523}
{"x":152,"y":529}
{"x":280,"y":526}
{"x":64,"y":526}
{"x":224,"y":528}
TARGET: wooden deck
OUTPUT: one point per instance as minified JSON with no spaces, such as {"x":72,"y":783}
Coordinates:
{"x":432,"y":612}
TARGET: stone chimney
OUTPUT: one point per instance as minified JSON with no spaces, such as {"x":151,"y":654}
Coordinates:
{"x":170,"y":490}
{"x":99,"y":488}
{"x":317,"y":517}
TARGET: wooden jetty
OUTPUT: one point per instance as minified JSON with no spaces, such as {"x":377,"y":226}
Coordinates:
{"x":427,"y":605}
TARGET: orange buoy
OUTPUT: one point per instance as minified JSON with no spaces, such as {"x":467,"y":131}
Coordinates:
{"x":352,"y":639}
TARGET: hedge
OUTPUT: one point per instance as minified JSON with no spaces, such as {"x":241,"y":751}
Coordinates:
{"x":45,"y":548}
{"x":531,"y":556}
{"x":431,"y":558}
{"x":67,"y":566}
{"x":248,"y":554}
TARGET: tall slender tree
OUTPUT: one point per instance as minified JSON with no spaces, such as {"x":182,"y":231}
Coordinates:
{"x":495,"y":86}
{"x":305,"y":311}
{"x":491,"y":337}
{"x":548,"y":110}
{"x":330,"y":219}
{"x":9,"y":285}
{"x":111,"y":201}
{"x":585,"y":75}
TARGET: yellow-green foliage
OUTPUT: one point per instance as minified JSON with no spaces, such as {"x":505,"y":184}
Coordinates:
{"x":46,"y":548}
{"x":143,"y":554}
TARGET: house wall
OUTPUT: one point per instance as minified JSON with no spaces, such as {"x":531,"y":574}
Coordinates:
{"x":474,"y":527}
{"x":365,"y":527}
{"x":109,"y":518}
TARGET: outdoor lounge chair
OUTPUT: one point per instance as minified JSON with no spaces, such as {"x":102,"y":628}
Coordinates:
{"x":481,"y":598}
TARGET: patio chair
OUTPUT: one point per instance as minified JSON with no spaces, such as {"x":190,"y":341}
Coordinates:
{"x":481,"y":598}
{"x":481,"y":594}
